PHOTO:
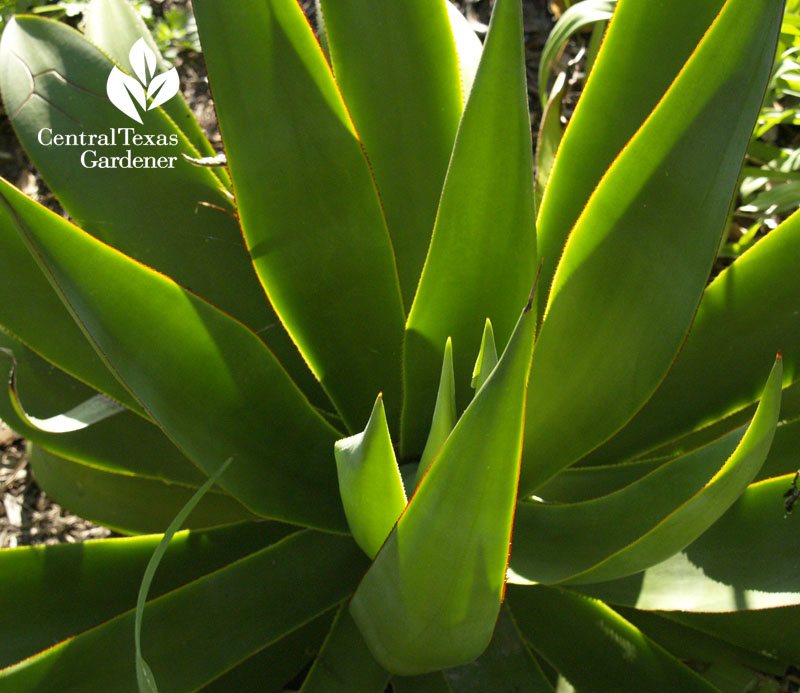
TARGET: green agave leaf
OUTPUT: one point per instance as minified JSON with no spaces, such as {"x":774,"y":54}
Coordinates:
{"x":550,"y":133}
{"x":507,"y":665}
{"x":577,"y":484}
{"x":369,"y":482}
{"x":472,"y":270}
{"x":633,"y":77}
{"x":27,"y":295}
{"x":200,"y":373}
{"x":648,"y":521}
{"x":747,"y":560}
{"x":750,"y":308}
{"x":468,"y":48}
{"x":306,"y":200}
{"x":131,"y":504}
{"x":277,"y":664}
{"x":398,"y":70}
{"x":633,"y":272}
{"x":53,"y":82}
{"x":124,"y":443}
{"x":344,"y":664}
{"x":431,"y":597}
{"x":114,"y":26}
{"x":769,"y":631}
{"x":570,"y":630}
{"x":177,"y":220}
{"x":445,"y":413}
{"x":575,"y":18}
{"x":487,"y":358}
{"x":723,"y":665}
{"x":255,"y":601}
{"x":790,"y":411}
{"x":96,"y":408}
{"x":99,"y":579}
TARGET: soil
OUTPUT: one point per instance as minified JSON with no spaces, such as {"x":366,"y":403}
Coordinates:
{"x":27,"y":515}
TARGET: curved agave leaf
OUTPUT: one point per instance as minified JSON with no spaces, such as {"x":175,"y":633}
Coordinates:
{"x":369,"y":482}
{"x":629,"y":75}
{"x":753,"y":308}
{"x":747,"y":560}
{"x":255,"y":601}
{"x":632,"y":274}
{"x":398,"y":70}
{"x":307,"y":203}
{"x":551,"y":131}
{"x":432,"y":595}
{"x":201,"y":374}
{"x":125,"y":443}
{"x":769,"y":631}
{"x":570,"y":630}
{"x":27,"y":295}
{"x":177,"y":219}
{"x":131,"y":504}
{"x":482,"y":258}
{"x":726,"y":666}
{"x":86,"y":572}
{"x":651,"y":519}
{"x":91,"y":411}
{"x":576,"y":484}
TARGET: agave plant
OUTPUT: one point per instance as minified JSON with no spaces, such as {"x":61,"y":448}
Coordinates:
{"x":304,"y":333}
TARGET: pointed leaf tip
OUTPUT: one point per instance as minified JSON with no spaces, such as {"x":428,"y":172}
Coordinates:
{"x":440,"y":609}
{"x":369,"y":481}
{"x":487,"y":357}
{"x":445,"y":413}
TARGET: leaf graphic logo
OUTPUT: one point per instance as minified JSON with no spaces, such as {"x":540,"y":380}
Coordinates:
{"x":125,"y":91}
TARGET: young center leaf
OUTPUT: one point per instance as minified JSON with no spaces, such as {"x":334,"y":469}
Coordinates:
{"x":431,"y":597}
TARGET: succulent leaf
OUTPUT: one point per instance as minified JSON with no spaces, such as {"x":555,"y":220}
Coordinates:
{"x":632,"y":77}
{"x":84,"y":571}
{"x":432,"y":595}
{"x":487,"y":358}
{"x":325,"y":259}
{"x":200,"y":373}
{"x":654,"y":517}
{"x":757,"y":569}
{"x":369,"y":482}
{"x":752,"y":307}
{"x":420,"y":105}
{"x":482,"y":257}
{"x":569,"y":629}
{"x":445,"y":414}
{"x":255,"y":601}
{"x":634,"y":268}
